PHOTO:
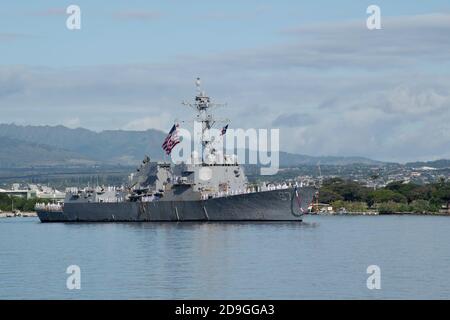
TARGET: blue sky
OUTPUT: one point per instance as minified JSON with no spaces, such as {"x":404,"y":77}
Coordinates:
{"x":310,"y":68}
{"x":112,"y":32}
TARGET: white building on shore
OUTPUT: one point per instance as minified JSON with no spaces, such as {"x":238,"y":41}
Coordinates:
{"x":31,"y":191}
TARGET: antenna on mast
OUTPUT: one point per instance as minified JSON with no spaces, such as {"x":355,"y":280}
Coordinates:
{"x":198,"y":84}
{"x":202,"y":105}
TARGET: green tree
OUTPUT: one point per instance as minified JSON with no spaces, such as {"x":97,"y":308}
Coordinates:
{"x":421,"y":206}
{"x":392,"y":207}
{"x":386,"y":195}
{"x":442,"y":192}
{"x":350,"y":206}
{"x":328,"y":196}
{"x":348,"y":190}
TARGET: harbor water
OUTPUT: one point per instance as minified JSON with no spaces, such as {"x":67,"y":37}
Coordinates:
{"x":326,"y":257}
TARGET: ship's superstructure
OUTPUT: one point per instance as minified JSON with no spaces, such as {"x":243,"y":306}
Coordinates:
{"x":211,"y":186}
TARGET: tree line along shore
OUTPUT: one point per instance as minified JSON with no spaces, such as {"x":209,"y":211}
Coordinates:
{"x":396,"y":197}
{"x":12,"y":204}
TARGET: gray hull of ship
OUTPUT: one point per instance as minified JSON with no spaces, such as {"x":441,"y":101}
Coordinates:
{"x":274,"y":205}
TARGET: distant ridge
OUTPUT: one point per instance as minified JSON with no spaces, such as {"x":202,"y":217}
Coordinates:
{"x":291,"y":159}
{"x":59,"y":144}
{"x":16,"y":153}
{"x":112,"y":146}
{"x":438,"y":164}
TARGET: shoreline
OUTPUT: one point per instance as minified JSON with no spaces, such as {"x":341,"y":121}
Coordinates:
{"x":386,"y":214}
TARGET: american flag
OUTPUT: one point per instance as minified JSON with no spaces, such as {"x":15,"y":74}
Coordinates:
{"x":171,"y":140}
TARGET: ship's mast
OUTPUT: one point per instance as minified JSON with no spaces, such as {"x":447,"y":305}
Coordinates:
{"x":202,"y":105}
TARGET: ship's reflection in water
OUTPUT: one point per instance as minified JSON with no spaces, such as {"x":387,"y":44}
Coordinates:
{"x":324,"y":257}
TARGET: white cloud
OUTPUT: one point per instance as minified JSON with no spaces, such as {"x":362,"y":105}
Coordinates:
{"x":72,"y":123}
{"x":160,"y":122}
{"x":417,"y":101}
{"x":384,"y":95}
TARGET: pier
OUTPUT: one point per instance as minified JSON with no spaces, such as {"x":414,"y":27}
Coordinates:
{"x":17,"y":214}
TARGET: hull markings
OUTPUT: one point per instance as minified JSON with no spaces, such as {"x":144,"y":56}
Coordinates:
{"x":206,"y":213}
{"x":176,"y":211}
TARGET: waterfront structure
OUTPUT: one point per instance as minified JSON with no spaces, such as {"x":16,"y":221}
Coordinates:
{"x":32,"y":191}
{"x":445,"y":209}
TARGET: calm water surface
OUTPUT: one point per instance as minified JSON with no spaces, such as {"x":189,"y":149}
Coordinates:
{"x":326,"y":257}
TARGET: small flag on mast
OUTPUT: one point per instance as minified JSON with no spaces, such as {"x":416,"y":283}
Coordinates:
{"x":224,"y":130}
{"x":171,"y":140}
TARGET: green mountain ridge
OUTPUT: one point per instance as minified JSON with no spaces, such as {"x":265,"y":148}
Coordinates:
{"x":112,"y":146}
{"x":34,"y":145}
{"x":438,"y":164}
{"x":16,"y":153}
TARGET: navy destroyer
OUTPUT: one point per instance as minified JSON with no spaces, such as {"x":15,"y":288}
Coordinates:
{"x":204,"y":190}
